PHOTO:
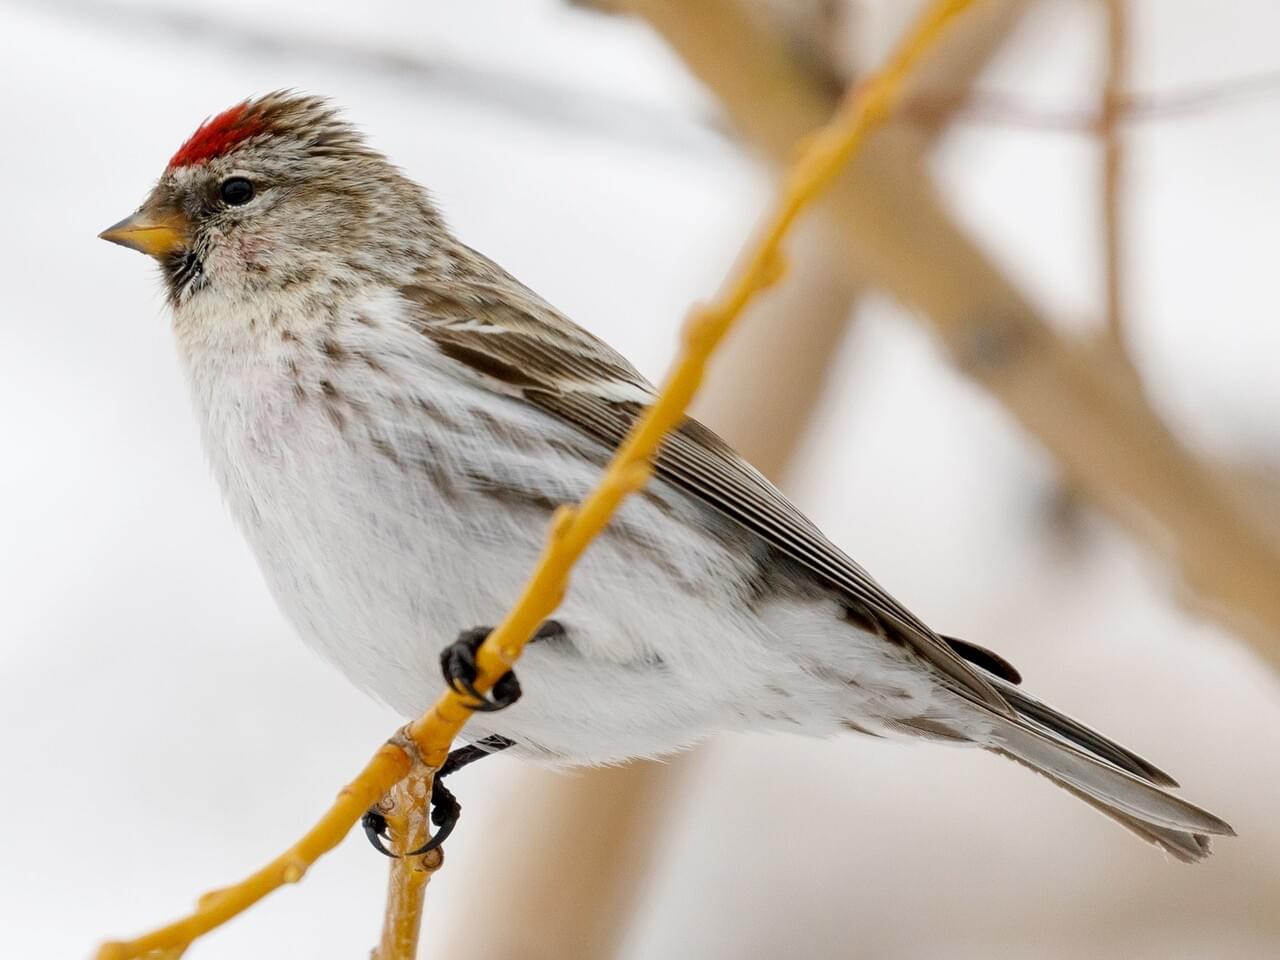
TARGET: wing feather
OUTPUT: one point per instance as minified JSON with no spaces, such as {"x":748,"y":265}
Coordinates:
{"x":516,"y":344}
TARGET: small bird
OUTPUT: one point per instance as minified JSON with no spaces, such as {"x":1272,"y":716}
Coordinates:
{"x":393,"y":418}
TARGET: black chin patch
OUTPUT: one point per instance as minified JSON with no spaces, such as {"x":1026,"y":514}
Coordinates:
{"x":183,"y":274}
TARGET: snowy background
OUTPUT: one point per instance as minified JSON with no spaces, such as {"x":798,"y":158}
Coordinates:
{"x":161,"y":729}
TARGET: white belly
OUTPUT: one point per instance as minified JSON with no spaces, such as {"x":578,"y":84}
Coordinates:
{"x":392,"y":507}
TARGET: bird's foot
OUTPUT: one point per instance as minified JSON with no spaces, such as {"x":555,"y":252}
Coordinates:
{"x":458,"y":661}
{"x":445,"y":813}
{"x":445,"y":808}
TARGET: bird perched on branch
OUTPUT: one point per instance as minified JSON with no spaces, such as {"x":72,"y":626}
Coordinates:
{"x":393,"y":418}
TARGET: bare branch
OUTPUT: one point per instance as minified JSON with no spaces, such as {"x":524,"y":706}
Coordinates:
{"x":1001,"y":110}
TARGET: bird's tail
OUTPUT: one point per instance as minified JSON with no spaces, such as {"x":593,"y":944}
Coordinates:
{"x":1104,"y":774}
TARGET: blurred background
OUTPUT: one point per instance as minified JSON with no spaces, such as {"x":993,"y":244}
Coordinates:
{"x":1026,"y":369}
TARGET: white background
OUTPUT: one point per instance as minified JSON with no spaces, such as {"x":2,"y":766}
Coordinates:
{"x":161,"y":729}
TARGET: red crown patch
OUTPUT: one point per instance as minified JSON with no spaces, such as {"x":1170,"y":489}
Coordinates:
{"x":217,"y":135}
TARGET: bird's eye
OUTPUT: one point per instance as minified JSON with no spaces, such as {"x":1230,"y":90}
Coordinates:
{"x":236,"y":191}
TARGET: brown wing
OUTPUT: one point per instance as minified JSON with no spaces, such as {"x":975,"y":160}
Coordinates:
{"x":517,"y":344}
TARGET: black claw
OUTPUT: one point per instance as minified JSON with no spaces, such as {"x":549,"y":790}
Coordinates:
{"x":445,"y":808}
{"x":375,"y":828}
{"x":458,"y":662}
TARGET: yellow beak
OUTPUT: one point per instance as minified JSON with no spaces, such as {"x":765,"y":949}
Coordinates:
{"x":153,"y":233}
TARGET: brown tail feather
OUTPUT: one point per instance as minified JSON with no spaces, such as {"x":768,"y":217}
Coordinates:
{"x":1184,"y":845}
{"x":1144,"y":807}
{"x":1063,"y":727}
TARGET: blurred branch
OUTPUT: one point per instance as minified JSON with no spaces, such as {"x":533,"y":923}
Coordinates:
{"x":815,"y":32}
{"x":571,"y":107}
{"x":898,"y":234}
{"x":522,"y":95}
{"x":957,"y":66}
{"x":1117,"y":69}
{"x":574,"y":855}
{"x":1001,"y":110}
{"x":425,"y":742}
{"x":774,"y":100}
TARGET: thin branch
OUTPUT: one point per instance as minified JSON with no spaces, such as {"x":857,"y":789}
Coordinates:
{"x":1002,"y":110}
{"x":899,"y":234}
{"x":1199,"y":99}
{"x":488,"y":85}
{"x":388,"y":766}
{"x":427,"y":739}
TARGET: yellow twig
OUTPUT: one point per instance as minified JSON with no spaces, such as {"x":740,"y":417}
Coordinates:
{"x":388,"y":766}
{"x":573,"y":529}
{"x":405,"y":808}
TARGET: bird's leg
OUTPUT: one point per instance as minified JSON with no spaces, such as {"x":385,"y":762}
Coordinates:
{"x":458,"y":661}
{"x":445,"y":809}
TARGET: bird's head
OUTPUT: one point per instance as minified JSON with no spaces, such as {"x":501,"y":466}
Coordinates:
{"x":274,"y":193}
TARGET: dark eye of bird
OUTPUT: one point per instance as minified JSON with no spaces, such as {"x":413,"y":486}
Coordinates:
{"x":236,"y":191}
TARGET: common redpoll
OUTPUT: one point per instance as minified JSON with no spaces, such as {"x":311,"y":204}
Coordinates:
{"x":393,"y":418}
